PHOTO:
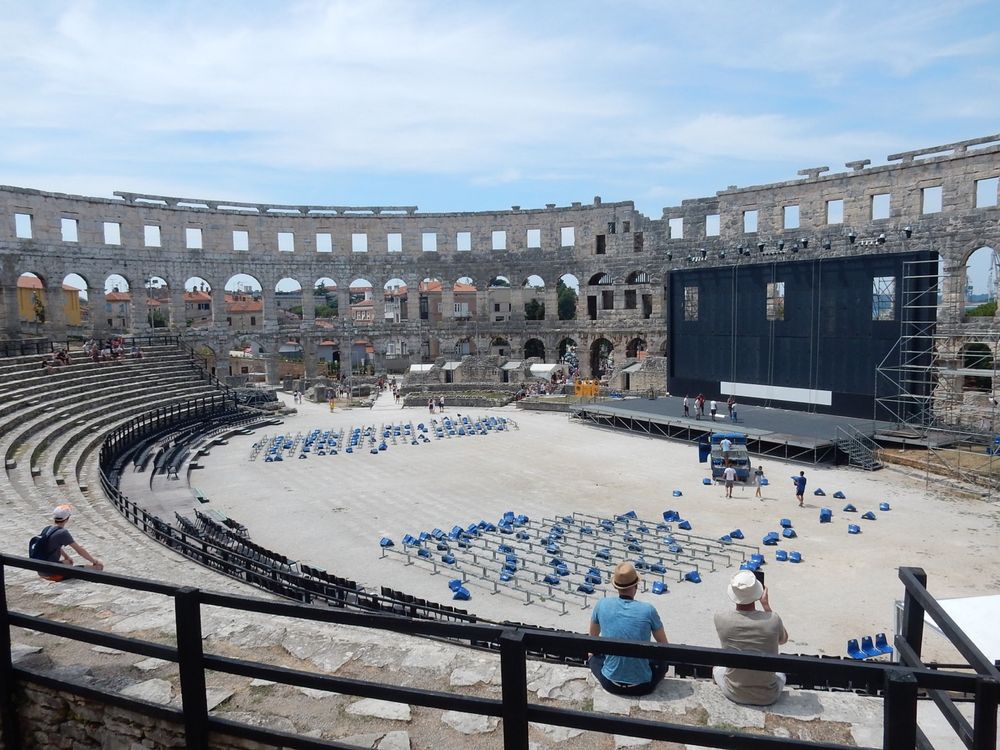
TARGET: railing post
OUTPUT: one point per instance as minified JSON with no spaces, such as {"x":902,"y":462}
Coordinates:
{"x":899,"y":719}
{"x":913,"y":614}
{"x":984,"y":727}
{"x":9,"y":730}
{"x":514,"y":679}
{"x":187,"y":609}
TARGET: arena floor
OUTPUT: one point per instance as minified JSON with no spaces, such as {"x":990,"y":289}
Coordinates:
{"x":331,"y":511}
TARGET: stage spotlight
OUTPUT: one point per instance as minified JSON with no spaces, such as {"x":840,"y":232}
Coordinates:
{"x":851,"y":237}
{"x":826,"y":244}
{"x":722,"y":254}
{"x":704,"y":253}
{"x":805,"y":242}
{"x":795,"y":247}
{"x":881,"y":239}
{"x":908,"y":231}
{"x":740,"y":249}
{"x":760,"y":246}
{"x":781,"y":245}
{"x":670,"y":256}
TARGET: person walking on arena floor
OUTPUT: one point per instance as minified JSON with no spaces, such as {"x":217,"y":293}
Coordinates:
{"x":686,"y":413}
{"x":53,"y":540}
{"x":729,"y":475}
{"x":748,"y":629}
{"x":758,"y":480}
{"x":800,"y":487}
{"x":713,"y":408}
{"x":624,"y":618}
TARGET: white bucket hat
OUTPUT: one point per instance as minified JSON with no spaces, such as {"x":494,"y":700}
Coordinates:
{"x":744,"y":588}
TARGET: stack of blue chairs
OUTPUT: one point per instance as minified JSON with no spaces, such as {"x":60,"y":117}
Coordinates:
{"x":869,"y":649}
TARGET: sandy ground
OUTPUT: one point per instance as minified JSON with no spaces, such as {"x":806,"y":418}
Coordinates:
{"x":331,"y":511}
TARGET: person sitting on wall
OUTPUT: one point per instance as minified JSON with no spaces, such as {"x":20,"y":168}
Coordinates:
{"x":624,"y":618}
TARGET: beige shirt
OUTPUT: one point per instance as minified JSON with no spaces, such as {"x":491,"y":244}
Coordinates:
{"x":758,"y":632}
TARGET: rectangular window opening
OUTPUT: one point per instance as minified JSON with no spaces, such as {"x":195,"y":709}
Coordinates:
{"x":880,"y":206}
{"x":286,"y":242}
{"x":70,"y":230}
{"x":608,"y":299}
{"x":112,"y":233}
{"x":791,"y":217}
{"x":713,"y":225}
{"x":499,"y":238}
{"x":690,"y":303}
{"x":463,"y":242}
{"x":359,"y":242}
{"x":626,"y":227}
{"x":567,"y":236}
{"x":637,"y":242}
{"x":675,"y":229}
{"x":429,"y":242}
{"x":22,"y":226}
{"x":600,"y":247}
{"x":630,"y":299}
{"x":835,"y":211}
{"x":986,"y":192}
{"x":931,"y":200}
{"x":241,"y":240}
{"x":394,"y":242}
{"x":534,"y":239}
{"x":151,"y":235}
{"x":750,"y":221}
{"x":611,"y":227}
{"x":324,"y":242}
{"x":884,"y":298}
{"x":192,"y":237}
{"x":776,"y":300}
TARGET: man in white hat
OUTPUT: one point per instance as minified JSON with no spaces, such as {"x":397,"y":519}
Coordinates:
{"x":624,"y":618}
{"x":57,"y":537}
{"x":747,"y":628}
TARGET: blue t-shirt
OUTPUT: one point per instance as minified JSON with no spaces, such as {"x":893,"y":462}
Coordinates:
{"x":800,"y":485}
{"x":627,"y":620}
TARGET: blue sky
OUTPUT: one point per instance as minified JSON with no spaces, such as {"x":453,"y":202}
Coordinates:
{"x":467,"y":106}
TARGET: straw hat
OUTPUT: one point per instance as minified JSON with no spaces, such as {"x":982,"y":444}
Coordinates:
{"x":625,"y":576}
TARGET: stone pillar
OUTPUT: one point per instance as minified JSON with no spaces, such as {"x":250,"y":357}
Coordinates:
{"x":308,"y":306}
{"x":177,"y":317}
{"x":222,"y":367}
{"x":551,"y":305}
{"x":219,"y":313}
{"x":517,"y":303}
{"x":138,"y":312}
{"x":952,"y":307}
{"x":447,"y":301}
{"x":98,"y":318}
{"x":483,"y":311}
{"x":271,"y":368}
{"x":343,"y":303}
{"x":309,"y":356}
{"x":378,"y":307}
{"x":55,"y":311}
{"x":10,"y":313}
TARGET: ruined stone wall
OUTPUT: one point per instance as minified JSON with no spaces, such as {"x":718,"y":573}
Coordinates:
{"x":620,"y":257}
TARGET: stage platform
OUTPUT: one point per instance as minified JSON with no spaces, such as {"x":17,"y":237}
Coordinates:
{"x":780,"y":433}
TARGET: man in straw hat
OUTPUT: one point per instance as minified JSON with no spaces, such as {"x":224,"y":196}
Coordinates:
{"x":57,"y":537}
{"x":624,"y":618}
{"x":747,"y":628}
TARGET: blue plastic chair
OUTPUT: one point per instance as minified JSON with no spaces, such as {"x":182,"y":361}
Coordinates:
{"x":706,"y":480}
{"x":385,"y":542}
{"x":850,"y":508}
{"x":551,"y":579}
{"x":686,"y":525}
{"x":868,"y":516}
{"x":736,"y":534}
{"x":462,"y":595}
{"x":726,"y":539}
{"x":795,"y":557}
{"x":757,"y":558}
{"x":455,"y":584}
{"x":868,"y":647}
{"x":770,"y":539}
{"x":785,"y":523}
{"x":659,"y":587}
{"x":789,"y":533}
{"x":780,"y":555}
{"x":884,"y":507}
{"x":585,"y":588}
{"x":882,"y":644}
{"x":825,"y":515}
{"x":853,"y":528}
{"x":692,"y":576}
{"x":854,"y":651}
{"x":677,"y":493}
{"x":818,"y":492}
{"x":657,"y":568}
{"x":671,"y":515}
{"x":839,"y":494}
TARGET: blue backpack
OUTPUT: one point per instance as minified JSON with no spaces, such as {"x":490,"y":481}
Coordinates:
{"x":38,"y":546}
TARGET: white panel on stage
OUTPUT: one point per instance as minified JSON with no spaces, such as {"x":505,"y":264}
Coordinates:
{"x":778,"y":393}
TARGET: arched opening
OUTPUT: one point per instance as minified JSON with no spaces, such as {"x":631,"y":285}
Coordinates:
{"x":567,"y":293}
{"x":207,"y":355}
{"x":76,"y":306}
{"x":246,"y":359}
{"x":197,"y":303}
{"x":288,"y":300}
{"x":117,"y":303}
{"x":31,"y":300}
{"x":534,"y":348}
{"x":244,"y":303}
{"x":362,"y":302}
{"x":394,"y":297}
{"x":601,"y":358}
{"x":637,"y":277}
{"x":980,"y":291}
{"x":636,"y":348}
{"x":977,"y":357}
{"x":325,"y":298}
{"x":534,"y":298}
{"x":598,"y":297}
{"x":569,"y":357}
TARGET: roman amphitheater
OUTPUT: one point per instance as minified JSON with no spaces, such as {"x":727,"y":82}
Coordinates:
{"x":254,"y":555}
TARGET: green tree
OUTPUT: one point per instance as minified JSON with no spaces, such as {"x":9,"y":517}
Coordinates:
{"x":567,"y":301}
{"x":985,"y":310}
{"x":534,"y":310}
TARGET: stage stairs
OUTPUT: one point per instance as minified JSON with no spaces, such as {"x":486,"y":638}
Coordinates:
{"x":861,"y":450}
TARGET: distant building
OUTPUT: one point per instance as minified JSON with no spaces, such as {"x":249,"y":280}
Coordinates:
{"x":31,"y":301}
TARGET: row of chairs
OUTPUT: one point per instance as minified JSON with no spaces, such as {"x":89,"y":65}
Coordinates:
{"x":869,"y":648}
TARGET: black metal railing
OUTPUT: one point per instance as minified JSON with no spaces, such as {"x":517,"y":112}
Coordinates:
{"x":899,"y":683}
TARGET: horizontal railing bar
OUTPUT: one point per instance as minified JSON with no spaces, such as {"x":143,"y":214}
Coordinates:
{"x":117,"y":700}
{"x":273,"y":737}
{"x":666,"y":731}
{"x":946,"y":625}
{"x":95,"y":637}
{"x":87,"y":574}
{"x":363,"y":688}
